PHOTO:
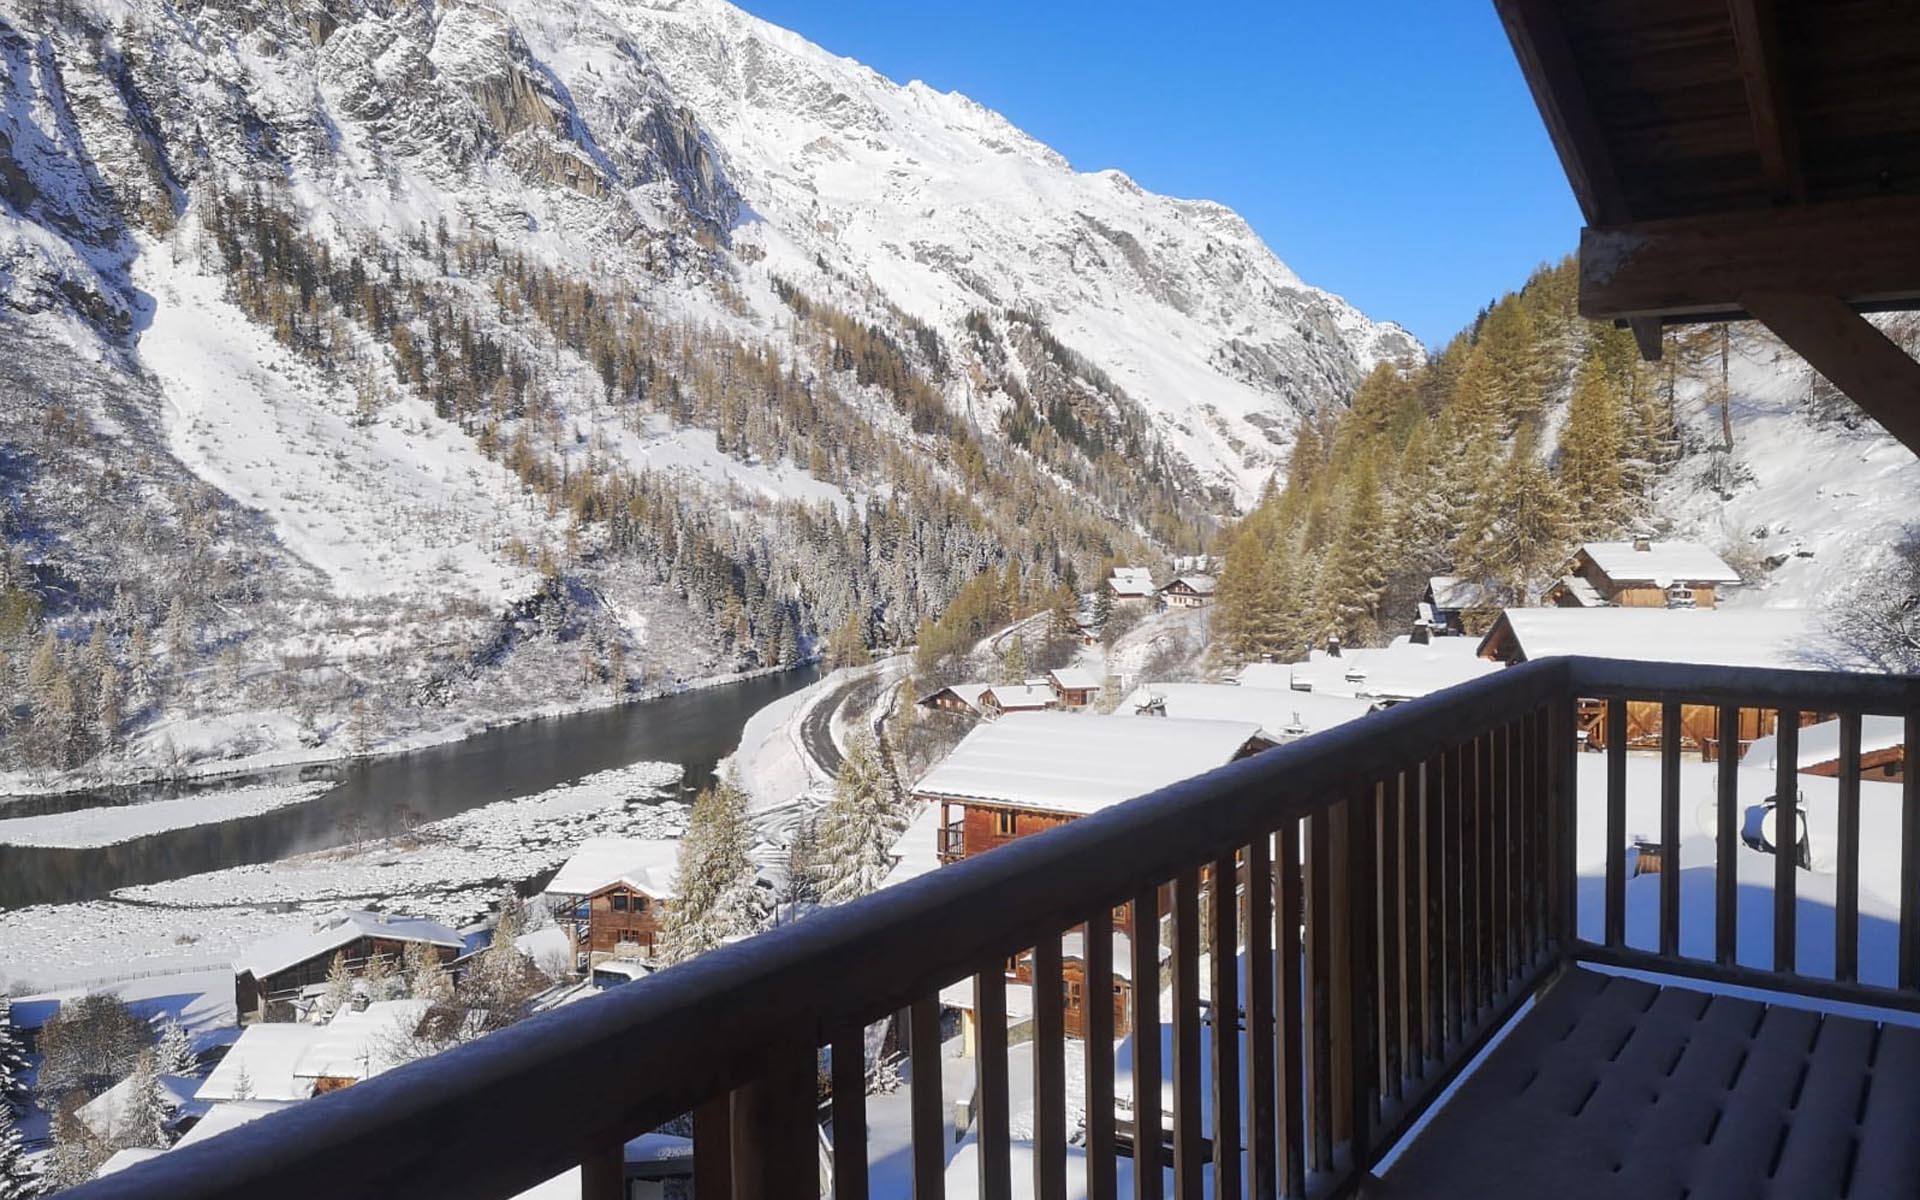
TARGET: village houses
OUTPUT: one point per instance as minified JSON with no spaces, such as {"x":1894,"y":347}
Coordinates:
{"x":1189,"y":591}
{"x":1131,"y":586}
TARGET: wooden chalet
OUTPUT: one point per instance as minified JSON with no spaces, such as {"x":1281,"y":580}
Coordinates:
{"x":1030,"y":772}
{"x":1642,"y":574}
{"x":1074,"y":687}
{"x":1132,"y":586}
{"x":1035,"y":695}
{"x":1451,"y":604}
{"x":279,"y":970}
{"x":1189,"y":591}
{"x":1078,"y":992}
{"x":962,"y":698}
{"x":612,"y":895}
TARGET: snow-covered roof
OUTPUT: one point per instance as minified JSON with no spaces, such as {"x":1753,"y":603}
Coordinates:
{"x":1748,"y":637}
{"x":282,"y":1061}
{"x":267,"y":1055}
{"x":917,"y":852}
{"x":1403,"y":670}
{"x":969,"y":693}
{"x":1073,"y":947}
{"x":108,"y":1111}
{"x":647,"y":864}
{"x":1451,"y":593}
{"x":1202,"y":584}
{"x":1019,"y":998}
{"x":333,"y":931}
{"x":1821,"y":743}
{"x":631,"y":968}
{"x":1282,"y":714}
{"x":1081,"y":762}
{"x":1661,"y":563}
{"x":1131,"y":581}
{"x":1071,"y":678}
{"x":132,"y":1156}
{"x":230,"y":1115}
{"x":1582,"y":592}
{"x":1023,"y":695}
{"x":545,"y":945}
{"x":359,"y":1043}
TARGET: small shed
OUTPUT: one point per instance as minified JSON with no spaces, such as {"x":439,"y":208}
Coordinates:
{"x":1074,"y":687}
{"x":1883,"y":749}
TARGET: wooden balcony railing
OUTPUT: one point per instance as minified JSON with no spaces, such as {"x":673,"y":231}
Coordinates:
{"x":1439,"y":889}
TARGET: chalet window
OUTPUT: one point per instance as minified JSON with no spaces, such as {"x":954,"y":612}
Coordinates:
{"x":639,"y":904}
{"x":1071,"y":993}
{"x":1119,"y":989}
{"x":1003,"y":823}
{"x":619,"y":902}
{"x":627,"y":935}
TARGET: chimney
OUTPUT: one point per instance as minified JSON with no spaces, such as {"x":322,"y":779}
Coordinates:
{"x":1422,"y":633}
{"x":1643,"y":544}
{"x":1333,"y":645}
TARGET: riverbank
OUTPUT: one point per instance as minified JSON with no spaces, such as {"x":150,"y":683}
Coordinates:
{"x":283,"y":758}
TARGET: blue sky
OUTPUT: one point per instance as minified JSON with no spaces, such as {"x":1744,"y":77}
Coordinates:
{"x":1387,"y":151}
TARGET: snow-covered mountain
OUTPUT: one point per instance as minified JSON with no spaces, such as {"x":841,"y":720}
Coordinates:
{"x":425,"y":361}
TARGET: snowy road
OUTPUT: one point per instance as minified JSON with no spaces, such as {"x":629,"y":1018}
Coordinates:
{"x":816,"y":728}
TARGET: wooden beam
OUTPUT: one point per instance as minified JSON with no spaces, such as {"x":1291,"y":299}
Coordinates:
{"x":1647,"y":334}
{"x":1756,"y":36}
{"x":1844,"y":346}
{"x":1540,"y":44}
{"x":1863,"y":251}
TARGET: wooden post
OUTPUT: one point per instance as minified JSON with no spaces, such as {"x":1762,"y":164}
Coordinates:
{"x":776,"y":1140}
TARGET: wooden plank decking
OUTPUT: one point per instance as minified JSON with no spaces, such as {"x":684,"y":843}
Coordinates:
{"x":1615,"y":1088}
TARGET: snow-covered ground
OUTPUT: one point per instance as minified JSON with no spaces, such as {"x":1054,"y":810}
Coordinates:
{"x":448,"y":870}
{"x":89,"y":827}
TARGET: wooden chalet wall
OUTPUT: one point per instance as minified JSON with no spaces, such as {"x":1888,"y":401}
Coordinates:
{"x":1077,"y":994}
{"x":609,"y":928}
{"x":1075,"y":697}
{"x":981,"y":826}
{"x":1699,"y":727}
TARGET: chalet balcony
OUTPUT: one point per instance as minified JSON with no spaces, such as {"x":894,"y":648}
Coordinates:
{"x":1728,"y":1025}
{"x":953,"y":842}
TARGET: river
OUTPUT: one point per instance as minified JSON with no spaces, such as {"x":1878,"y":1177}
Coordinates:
{"x":381,"y":796}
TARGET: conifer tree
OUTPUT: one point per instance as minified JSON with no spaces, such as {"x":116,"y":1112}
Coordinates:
{"x":339,"y":991}
{"x":1520,"y":536}
{"x":427,"y":977}
{"x":1353,"y":577}
{"x":848,"y":646}
{"x":858,"y":827}
{"x":144,"y":1116}
{"x":173,"y":1053}
{"x":75,"y":1156}
{"x":1013,"y":664}
{"x":715,"y":896}
{"x":13,"y":1062}
{"x":18,"y":1181}
{"x":1591,"y":446}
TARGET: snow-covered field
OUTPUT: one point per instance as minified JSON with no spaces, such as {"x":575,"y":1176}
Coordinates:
{"x":89,"y":827}
{"x":447,"y":870}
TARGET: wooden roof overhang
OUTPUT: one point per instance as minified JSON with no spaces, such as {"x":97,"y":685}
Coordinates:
{"x":1743,"y":159}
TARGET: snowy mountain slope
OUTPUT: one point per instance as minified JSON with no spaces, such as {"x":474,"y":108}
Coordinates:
{"x":943,"y":207}
{"x":393,"y":367}
{"x":1813,"y":491}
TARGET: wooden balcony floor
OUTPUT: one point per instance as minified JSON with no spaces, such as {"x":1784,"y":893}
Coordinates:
{"x":1616,"y":1088}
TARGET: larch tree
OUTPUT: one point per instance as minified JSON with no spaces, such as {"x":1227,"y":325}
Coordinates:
{"x":427,"y":977}
{"x":1591,"y":452}
{"x":1013,"y":664}
{"x":1524,"y":531}
{"x":1353,"y":574}
{"x":339,"y":989}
